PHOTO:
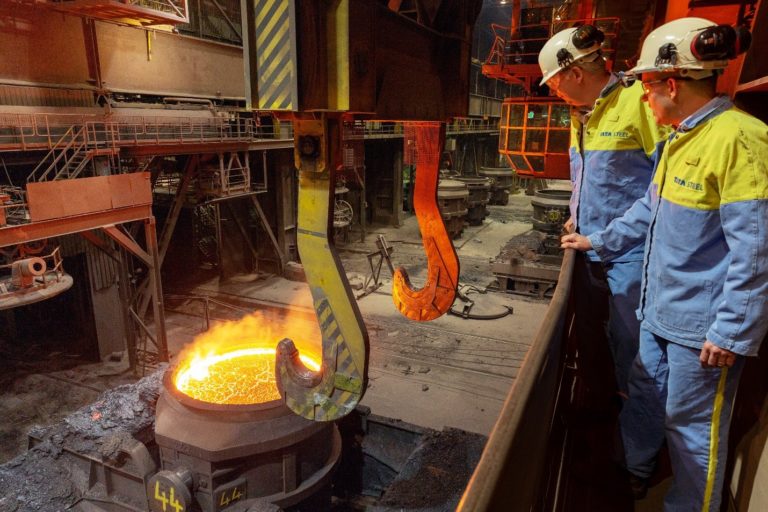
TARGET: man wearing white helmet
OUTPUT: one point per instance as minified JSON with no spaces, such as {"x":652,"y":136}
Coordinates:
{"x":614,"y":142}
{"x":705,"y":279}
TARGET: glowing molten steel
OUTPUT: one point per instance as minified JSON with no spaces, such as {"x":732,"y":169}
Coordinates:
{"x":219,"y":368}
{"x":244,"y":376}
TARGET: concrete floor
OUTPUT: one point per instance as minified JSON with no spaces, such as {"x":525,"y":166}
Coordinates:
{"x":448,"y":372}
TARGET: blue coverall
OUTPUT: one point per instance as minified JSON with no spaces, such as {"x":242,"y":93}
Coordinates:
{"x":612,"y":155}
{"x":705,"y":277}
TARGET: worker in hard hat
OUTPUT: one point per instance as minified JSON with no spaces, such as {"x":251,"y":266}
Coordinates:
{"x":614,"y":142}
{"x":703,"y":307}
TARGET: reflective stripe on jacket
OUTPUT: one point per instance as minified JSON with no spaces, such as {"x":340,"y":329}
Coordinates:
{"x":705,"y":275}
{"x":620,"y":139}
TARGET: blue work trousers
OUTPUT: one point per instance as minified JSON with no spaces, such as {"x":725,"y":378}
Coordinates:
{"x":623,"y":326}
{"x":672,"y":396}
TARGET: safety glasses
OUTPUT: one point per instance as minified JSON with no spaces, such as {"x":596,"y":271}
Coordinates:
{"x":648,"y":83}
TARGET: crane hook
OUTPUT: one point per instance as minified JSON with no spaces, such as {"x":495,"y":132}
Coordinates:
{"x":439,"y":292}
{"x":337,"y":388}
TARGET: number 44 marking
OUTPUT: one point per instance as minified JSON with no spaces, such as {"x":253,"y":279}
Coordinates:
{"x":227,"y":498}
{"x":168,"y":499}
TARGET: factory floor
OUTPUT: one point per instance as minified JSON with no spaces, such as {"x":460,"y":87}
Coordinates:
{"x":451,"y":372}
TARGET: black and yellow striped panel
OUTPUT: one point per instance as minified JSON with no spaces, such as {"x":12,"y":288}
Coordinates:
{"x":275,"y":32}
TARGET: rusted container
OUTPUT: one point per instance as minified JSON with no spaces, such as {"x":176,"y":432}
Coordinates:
{"x":503,"y":183}
{"x":479,"y":194}
{"x":213,"y":455}
{"x":452,"y":197}
{"x":550,"y":209}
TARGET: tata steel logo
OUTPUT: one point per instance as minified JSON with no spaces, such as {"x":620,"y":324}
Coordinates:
{"x":618,"y":135}
{"x":688,"y":184}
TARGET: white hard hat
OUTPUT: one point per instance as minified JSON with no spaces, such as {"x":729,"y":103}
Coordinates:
{"x":567,"y":47}
{"x":682,"y":45}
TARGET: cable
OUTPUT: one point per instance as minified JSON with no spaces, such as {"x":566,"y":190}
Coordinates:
{"x":465,"y":310}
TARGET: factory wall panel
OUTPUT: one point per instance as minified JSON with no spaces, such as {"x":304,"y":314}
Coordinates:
{"x":39,"y":46}
{"x":169,"y":64}
{"x":108,"y":317}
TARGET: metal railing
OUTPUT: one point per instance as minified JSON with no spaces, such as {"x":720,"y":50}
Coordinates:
{"x":66,"y":158}
{"x":25,"y":132}
{"x":467,"y":125}
{"x":54,"y":269}
{"x":374,"y":129}
{"x":509,"y":50}
{"x":231,"y":175}
{"x":22,"y":132}
{"x":520,"y":464}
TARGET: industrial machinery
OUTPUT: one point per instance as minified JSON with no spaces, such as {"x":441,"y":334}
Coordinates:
{"x":33,"y":277}
{"x":530,"y":263}
{"x":453,"y":197}
{"x":479,"y":188}
{"x":261,"y":450}
{"x":503,"y":183}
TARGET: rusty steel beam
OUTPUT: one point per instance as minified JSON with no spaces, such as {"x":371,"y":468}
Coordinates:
{"x":268,"y":229}
{"x":18,"y":234}
{"x":92,"y":52}
{"x":203,"y":148}
{"x":173,"y":216}
{"x":128,"y":243}
{"x":158,"y":308}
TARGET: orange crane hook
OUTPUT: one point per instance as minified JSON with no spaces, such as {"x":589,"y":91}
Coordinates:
{"x":439,"y":292}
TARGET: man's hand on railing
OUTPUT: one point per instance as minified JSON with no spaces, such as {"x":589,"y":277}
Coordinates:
{"x":575,"y":241}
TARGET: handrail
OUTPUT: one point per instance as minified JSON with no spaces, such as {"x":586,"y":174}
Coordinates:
{"x":41,"y":131}
{"x":511,"y":473}
{"x":63,"y":154}
{"x":460,"y":125}
{"x":22,"y":132}
{"x":500,"y":55}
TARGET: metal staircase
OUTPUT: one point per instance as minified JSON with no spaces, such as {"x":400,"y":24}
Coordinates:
{"x":71,"y":155}
{"x":66,"y":159}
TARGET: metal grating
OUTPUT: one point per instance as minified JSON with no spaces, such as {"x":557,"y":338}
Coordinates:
{"x":219,"y":20}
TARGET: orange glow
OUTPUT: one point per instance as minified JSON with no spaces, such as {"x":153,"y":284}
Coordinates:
{"x":223,"y":366}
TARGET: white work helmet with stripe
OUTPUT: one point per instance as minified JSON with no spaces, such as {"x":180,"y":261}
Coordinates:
{"x":568,"y":47}
{"x":694,"y":47}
